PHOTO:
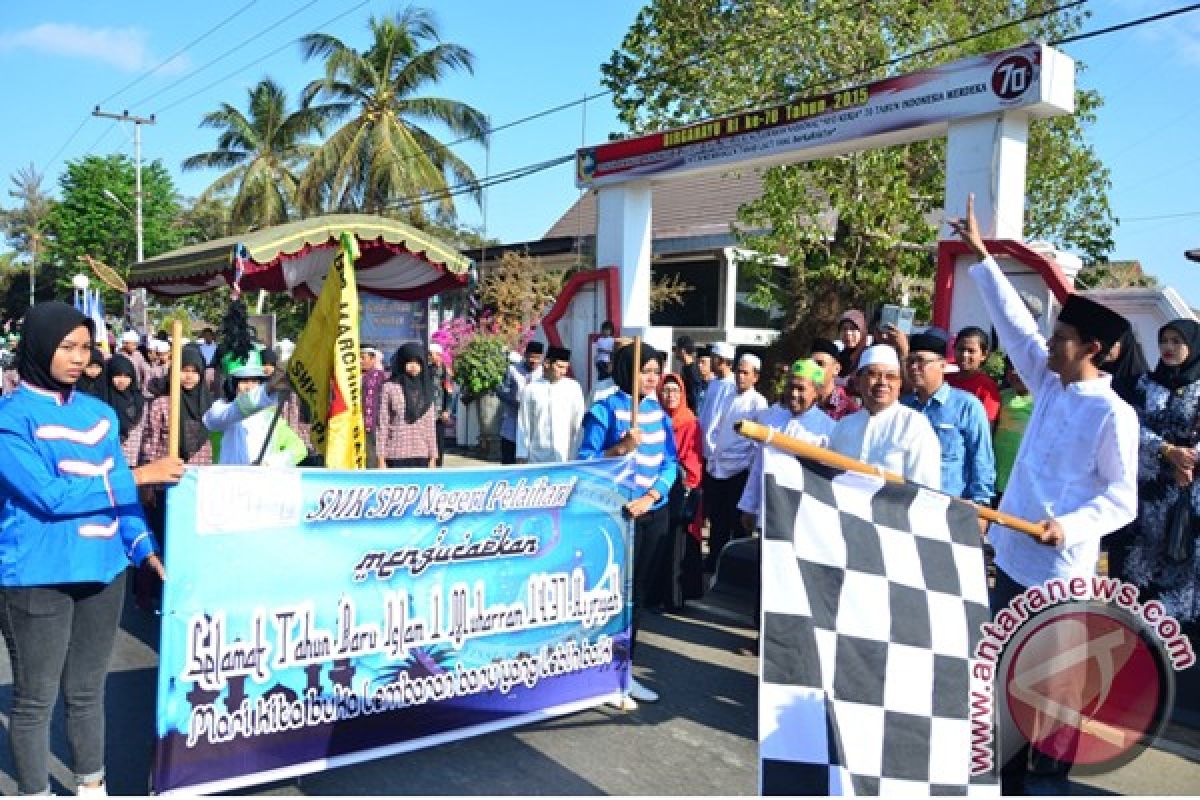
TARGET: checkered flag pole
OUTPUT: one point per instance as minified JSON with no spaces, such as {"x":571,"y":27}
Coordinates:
{"x":873,"y":593}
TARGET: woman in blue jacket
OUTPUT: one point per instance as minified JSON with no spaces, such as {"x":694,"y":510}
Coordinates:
{"x":70,"y":524}
{"x":607,"y":431}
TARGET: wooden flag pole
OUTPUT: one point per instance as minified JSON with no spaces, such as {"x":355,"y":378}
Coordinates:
{"x":767,"y":435}
{"x":637,"y":382}
{"x":176,"y":389}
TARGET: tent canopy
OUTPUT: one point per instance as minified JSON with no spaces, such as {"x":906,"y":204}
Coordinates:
{"x":395,"y":260}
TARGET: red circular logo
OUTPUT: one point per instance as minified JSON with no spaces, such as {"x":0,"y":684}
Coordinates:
{"x":1012,"y":77}
{"x":1085,"y":686}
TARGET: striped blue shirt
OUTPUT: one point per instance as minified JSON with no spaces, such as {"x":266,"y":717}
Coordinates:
{"x":655,"y":461}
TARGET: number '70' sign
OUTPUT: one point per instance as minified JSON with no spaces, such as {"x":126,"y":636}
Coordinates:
{"x":1012,"y":77}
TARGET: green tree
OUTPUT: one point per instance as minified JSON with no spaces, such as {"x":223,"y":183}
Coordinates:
{"x":25,"y":229}
{"x":263,"y":150}
{"x":383,"y":153}
{"x":757,"y":53}
{"x":88,"y":221}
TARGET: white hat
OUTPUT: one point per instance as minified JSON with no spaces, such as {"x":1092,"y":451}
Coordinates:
{"x":753,"y":361}
{"x":723,"y":350}
{"x":436,"y":348}
{"x":159,"y":346}
{"x":882,"y":354}
{"x":131,"y":336}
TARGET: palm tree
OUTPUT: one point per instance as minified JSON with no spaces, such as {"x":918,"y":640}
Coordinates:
{"x":383,"y":154}
{"x":264,"y":152}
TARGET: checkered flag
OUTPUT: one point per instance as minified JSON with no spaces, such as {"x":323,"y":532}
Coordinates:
{"x":872,"y":598}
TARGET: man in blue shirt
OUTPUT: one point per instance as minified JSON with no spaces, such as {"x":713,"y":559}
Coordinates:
{"x":958,"y":419}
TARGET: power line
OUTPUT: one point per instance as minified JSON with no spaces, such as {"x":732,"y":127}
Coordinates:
{"x":236,"y":48}
{"x":178,"y":52}
{"x":1130,"y":24}
{"x":258,"y":60}
{"x":1179,"y":215}
{"x":472,"y":186}
{"x":70,"y":139}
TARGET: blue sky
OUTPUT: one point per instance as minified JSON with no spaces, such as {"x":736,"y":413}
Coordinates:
{"x":63,"y":58}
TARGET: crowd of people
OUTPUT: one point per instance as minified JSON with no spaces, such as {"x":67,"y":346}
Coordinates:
{"x":1080,"y":436}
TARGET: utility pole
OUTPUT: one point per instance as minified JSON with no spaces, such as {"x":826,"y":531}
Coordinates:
{"x":138,"y":122}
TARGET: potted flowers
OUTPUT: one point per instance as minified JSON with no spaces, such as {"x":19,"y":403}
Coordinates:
{"x":478,"y":356}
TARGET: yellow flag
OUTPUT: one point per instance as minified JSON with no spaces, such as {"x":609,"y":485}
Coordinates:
{"x":325,"y":369}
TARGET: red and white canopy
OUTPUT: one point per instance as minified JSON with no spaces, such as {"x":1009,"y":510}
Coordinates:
{"x":395,"y":261}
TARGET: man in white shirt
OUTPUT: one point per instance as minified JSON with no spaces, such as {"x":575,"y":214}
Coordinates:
{"x":515,"y":380}
{"x":797,"y":415}
{"x":884,"y":433}
{"x":551,"y":413}
{"x":716,"y":394}
{"x":1076,"y":469}
{"x":728,"y":467}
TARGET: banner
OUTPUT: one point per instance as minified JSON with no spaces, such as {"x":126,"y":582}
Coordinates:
{"x":901,"y":109}
{"x":325,"y":366}
{"x":388,"y":323}
{"x":318,"y":618}
{"x":874,"y":595}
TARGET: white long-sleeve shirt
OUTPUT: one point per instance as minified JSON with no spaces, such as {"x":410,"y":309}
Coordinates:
{"x":731,"y":452}
{"x":243,"y":424}
{"x":896,"y":439}
{"x":715,"y":400}
{"x":549,"y":420}
{"x":813,"y":426}
{"x":1078,"y":458}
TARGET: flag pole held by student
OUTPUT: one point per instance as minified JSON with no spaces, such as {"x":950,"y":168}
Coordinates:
{"x":767,"y":435}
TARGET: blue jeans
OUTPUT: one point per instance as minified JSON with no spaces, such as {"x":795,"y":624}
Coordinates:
{"x":59,"y":636}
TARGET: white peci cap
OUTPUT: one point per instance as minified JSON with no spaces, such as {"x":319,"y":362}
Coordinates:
{"x":751,"y":360}
{"x":881,"y":354}
{"x":131,"y":336}
{"x":723,"y":350}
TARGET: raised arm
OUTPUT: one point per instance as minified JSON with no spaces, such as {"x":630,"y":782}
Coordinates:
{"x":1016,"y":327}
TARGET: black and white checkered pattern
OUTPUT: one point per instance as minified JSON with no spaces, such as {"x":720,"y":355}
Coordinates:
{"x":872,"y":598}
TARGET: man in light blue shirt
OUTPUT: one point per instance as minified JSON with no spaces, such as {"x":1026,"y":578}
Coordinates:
{"x":958,"y":419}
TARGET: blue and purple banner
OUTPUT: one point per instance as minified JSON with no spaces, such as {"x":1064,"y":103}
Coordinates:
{"x":317,"y":618}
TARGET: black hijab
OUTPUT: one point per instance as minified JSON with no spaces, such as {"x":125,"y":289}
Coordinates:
{"x":128,"y":404}
{"x":93,"y":386}
{"x":193,"y":404}
{"x":418,"y":390}
{"x":622,"y":365}
{"x":1189,"y":371}
{"x":1127,"y":367}
{"x":44,"y":328}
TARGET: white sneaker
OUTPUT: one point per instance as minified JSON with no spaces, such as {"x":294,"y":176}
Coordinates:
{"x":624,"y":703}
{"x":91,"y":791}
{"x":640,"y":693}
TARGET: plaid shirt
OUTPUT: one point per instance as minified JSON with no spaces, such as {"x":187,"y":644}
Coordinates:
{"x":395,"y":438}
{"x":154,"y":435}
{"x":131,"y":445}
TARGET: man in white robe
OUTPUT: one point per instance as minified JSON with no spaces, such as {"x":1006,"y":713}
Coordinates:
{"x":884,"y":433}
{"x":730,"y":455}
{"x":551,"y":412}
{"x":1076,"y":469}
